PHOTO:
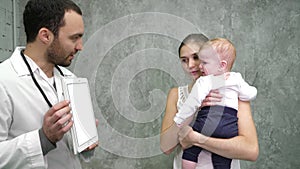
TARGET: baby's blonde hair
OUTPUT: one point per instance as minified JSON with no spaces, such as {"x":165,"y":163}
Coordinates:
{"x":224,"y":49}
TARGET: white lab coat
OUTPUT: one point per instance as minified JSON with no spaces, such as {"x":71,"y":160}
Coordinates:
{"x":22,"y":108}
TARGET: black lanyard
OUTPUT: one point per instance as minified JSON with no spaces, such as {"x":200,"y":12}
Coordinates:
{"x":34,"y":80}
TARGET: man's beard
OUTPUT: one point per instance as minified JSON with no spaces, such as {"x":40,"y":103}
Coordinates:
{"x":56,"y":53}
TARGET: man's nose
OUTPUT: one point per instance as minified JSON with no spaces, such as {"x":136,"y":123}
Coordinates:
{"x":79,"y":45}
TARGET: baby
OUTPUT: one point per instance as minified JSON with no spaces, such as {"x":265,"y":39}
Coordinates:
{"x":217,"y":57}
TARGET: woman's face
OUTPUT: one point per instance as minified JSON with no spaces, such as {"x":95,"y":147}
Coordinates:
{"x":189,"y":60}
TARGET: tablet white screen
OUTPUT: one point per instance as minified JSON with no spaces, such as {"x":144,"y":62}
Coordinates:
{"x":82,"y":110}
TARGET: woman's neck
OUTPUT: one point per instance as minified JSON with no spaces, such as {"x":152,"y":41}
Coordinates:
{"x":191,"y":86}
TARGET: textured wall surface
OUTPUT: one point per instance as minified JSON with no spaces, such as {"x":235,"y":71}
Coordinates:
{"x":6,"y":29}
{"x":130,"y":59}
{"x":8,"y":35}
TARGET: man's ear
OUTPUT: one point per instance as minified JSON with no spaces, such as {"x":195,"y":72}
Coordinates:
{"x":45,"y":36}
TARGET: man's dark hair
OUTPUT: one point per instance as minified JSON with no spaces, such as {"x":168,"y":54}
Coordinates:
{"x":46,"y":13}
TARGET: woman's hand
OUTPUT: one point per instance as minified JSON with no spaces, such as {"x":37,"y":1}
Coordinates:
{"x":188,"y":137}
{"x":212,"y":98}
{"x":244,"y":146}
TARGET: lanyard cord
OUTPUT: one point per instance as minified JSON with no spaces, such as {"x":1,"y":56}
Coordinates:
{"x":35,"y":82}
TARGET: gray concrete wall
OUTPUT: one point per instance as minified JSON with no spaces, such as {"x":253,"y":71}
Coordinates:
{"x":130,"y":58}
{"x":6,"y":29}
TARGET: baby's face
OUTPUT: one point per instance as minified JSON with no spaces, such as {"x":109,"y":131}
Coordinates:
{"x":209,"y":61}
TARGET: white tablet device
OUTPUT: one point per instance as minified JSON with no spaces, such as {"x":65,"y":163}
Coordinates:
{"x":84,"y":131}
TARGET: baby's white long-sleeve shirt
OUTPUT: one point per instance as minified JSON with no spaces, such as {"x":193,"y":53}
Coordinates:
{"x":232,"y":89}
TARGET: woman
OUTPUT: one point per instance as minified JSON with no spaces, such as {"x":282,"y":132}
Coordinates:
{"x":244,"y":146}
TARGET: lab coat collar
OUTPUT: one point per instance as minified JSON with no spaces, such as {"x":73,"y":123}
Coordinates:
{"x":21,"y":69}
{"x":18,"y":64}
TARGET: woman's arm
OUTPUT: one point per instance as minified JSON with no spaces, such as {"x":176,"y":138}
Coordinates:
{"x":244,"y":146}
{"x":169,"y":131}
